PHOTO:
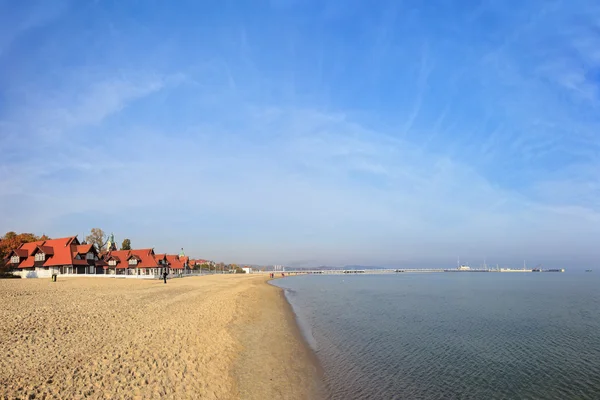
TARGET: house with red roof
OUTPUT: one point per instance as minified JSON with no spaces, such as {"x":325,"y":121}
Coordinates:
{"x":161,"y":259}
{"x":135,"y":262}
{"x":177,"y":264}
{"x":55,"y":256}
{"x":68,"y":256}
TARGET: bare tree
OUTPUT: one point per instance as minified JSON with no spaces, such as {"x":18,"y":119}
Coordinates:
{"x":97,"y":238}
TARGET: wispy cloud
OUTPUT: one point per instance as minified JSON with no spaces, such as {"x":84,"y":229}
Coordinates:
{"x":84,"y":101}
{"x":16,"y":21}
{"x":279,"y":143}
{"x":424,"y":71}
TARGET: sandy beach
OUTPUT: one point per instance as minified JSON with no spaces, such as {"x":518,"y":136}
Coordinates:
{"x":213,"y":337}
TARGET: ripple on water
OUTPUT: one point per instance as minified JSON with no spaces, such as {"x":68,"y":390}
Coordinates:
{"x":468,"y":336}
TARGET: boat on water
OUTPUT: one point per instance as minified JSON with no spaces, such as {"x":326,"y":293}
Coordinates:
{"x":588,"y":270}
{"x":460,"y":268}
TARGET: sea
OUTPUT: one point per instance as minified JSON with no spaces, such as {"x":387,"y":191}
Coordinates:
{"x":452,"y":335}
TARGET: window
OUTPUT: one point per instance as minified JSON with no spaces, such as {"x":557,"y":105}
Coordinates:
{"x":40,"y":256}
{"x":14,"y":259}
{"x":90,"y":256}
{"x":112,"y":262}
{"x":132,"y":261}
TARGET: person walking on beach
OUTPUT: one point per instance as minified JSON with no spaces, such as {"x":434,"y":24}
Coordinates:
{"x":165,"y":276}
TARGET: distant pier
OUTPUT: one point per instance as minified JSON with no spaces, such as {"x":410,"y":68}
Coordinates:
{"x":405,"y":270}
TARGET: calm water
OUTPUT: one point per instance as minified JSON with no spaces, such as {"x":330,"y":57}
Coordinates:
{"x":453,"y":336}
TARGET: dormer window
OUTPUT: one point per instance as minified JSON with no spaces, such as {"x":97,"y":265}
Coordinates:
{"x":40,"y":256}
{"x":14,"y":260}
{"x":89,"y":256}
{"x":132,"y":261}
{"x":112,"y":262}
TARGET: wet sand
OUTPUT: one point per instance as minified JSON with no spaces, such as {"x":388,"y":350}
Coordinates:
{"x":213,"y":337}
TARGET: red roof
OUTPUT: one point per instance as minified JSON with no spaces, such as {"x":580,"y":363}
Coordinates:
{"x":48,"y":250}
{"x":145,"y":257}
{"x":174,"y":262}
{"x":19,"y":252}
{"x":64,"y":251}
{"x":84,"y":248}
{"x":60,"y":251}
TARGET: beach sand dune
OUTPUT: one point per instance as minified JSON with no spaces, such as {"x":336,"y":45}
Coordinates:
{"x":213,"y":337}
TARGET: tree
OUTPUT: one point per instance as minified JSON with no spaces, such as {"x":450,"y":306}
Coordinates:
{"x":12,"y":240}
{"x":126,"y":245}
{"x":10,"y":235}
{"x":206,"y":265}
{"x":97,"y":238}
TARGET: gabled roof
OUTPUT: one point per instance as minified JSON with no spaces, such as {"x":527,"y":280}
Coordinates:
{"x":109,"y":257}
{"x":161,"y":258}
{"x":48,"y":250}
{"x":22,"y":253}
{"x":174,"y":262}
{"x":58,"y":251}
{"x":85,"y":248}
{"x":145,"y":257}
{"x":119,"y":256}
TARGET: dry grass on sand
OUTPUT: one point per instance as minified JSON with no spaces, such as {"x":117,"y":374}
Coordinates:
{"x":214,"y":337}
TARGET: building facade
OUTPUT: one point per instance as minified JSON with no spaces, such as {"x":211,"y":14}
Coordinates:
{"x":67,"y":256}
{"x":134,"y":262}
{"x":55,"y":256}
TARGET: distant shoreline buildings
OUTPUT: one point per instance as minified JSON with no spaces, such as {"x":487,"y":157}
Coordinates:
{"x":68,"y":256}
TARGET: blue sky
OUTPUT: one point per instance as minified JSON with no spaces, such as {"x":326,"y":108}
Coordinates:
{"x":307,"y":132}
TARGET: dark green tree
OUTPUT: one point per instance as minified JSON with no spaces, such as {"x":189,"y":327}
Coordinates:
{"x":126,"y":245}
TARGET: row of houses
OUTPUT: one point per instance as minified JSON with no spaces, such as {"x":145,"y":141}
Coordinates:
{"x":68,"y":256}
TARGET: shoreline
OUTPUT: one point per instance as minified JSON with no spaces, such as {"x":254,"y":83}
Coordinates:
{"x":211,"y":337}
{"x":293,"y":320}
{"x":299,"y":328}
{"x":282,"y":364}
